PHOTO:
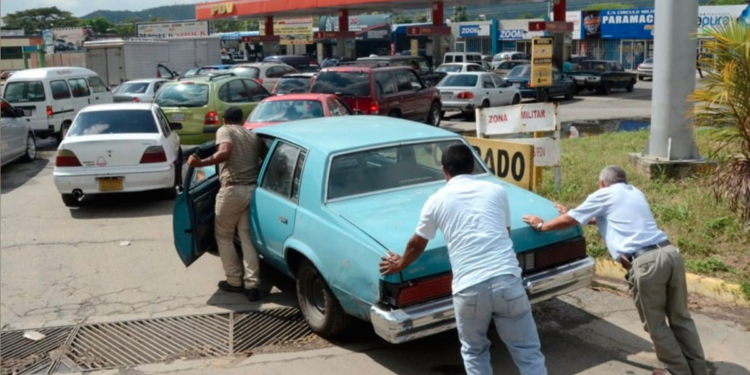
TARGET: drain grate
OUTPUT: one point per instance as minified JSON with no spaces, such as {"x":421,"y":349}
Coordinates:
{"x":23,"y":356}
{"x":268,"y":327}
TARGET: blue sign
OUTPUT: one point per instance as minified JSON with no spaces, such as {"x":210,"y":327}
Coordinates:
{"x":30,"y":48}
{"x":474,"y":30}
{"x":628,"y":23}
{"x":511,"y":34}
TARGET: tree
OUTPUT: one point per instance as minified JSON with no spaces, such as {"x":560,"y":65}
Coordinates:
{"x":228,"y":26}
{"x":127,"y":27}
{"x":33,"y":21}
{"x":157,"y":19}
{"x":727,"y":2}
{"x":459,"y":14}
{"x":724,"y":103}
{"x":602,"y":6}
{"x":99,"y":25}
{"x":400,"y":19}
{"x":422,"y":18}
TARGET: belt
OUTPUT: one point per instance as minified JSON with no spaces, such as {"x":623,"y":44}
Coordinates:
{"x":646,"y":249}
{"x":240,"y":184}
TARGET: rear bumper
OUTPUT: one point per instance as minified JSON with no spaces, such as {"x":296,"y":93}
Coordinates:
{"x":645,"y":73}
{"x":153,"y":179}
{"x":410,"y":323}
{"x":463,"y":106}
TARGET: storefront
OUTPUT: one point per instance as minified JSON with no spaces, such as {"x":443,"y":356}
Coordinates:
{"x":372,"y":34}
{"x":624,"y":35}
{"x":473,"y":37}
{"x":514,"y":35}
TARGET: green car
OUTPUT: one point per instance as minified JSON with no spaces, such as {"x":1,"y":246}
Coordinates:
{"x":198,"y":103}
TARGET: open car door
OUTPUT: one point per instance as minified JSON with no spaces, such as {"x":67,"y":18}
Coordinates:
{"x":193,"y":216}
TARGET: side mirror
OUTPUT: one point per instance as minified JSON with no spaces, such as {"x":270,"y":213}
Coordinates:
{"x":18,"y":113}
{"x":175,"y":126}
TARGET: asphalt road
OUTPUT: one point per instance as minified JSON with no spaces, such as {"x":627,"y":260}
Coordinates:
{"x":113,"y":259}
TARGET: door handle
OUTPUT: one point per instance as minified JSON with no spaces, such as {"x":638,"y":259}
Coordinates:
{"x":283,"y":220}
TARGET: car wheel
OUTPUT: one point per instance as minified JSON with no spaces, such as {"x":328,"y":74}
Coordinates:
{"x":433,"y":118}
{"x":607,"y":89}
{"x":486,"y":104}
{"x":30,"y":153}
{"x":631,"y":86}
{"x":516,"y":100}
{"x":577,"y":90}
{"x":569,"y":95}
{"x":319,"y":306}
{"x":542,"y":96}
{"x":70,"y":200}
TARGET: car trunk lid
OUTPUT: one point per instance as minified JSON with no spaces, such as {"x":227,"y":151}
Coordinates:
{"x":111,"y":150}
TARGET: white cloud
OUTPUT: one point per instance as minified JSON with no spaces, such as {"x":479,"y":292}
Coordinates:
{"x":81,"y":8}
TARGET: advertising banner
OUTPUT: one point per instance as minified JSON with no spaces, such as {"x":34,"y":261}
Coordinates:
{"x":69,"y":39}
{"x":293,"y":31}
{"x":628,"y":23}
{"x":515,"y":34}
{"x":541,"y":62}
{"x":169,"y":30}
{"x":711,"y":16}
{"x":474,"y":30}
{"x":591,"y":24}
{"x":577,"y":20}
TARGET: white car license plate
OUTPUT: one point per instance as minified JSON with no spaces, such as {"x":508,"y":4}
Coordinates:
{"x":178,"y":117}
{"x":446,"y":96}
{"x":27,"y":112}
{"x":517,"y":85}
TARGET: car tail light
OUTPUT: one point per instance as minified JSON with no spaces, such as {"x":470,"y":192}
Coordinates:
{"x":49,"y":111}
{"x":553,"y":255}
{"x":4,"y":105}
{"x":259,"y":80}
{"x":465,"y":95}
{"x":136,"y":100}
{"x":154,"y":154}
{"x":66,"y":158}
{"x":212,"y":118}
{"x":414,"y":292}
{"x":374,"y":107}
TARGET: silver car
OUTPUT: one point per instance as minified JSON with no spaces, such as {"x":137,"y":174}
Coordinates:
{"x":16,"y":136}
{"x":646,"y":70}
{"x":266,"y":73}
{"x":138,"y":91}
{"x":467,"y":91}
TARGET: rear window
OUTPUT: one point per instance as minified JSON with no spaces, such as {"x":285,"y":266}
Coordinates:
{"x":113,"y":122}
{"x":22,"y":92}
{"x":592,"y":66}
{"x":521,"y":71}
{"x":133,"y":88}
{"x":291,"y":110}
{"x":460,"y":80}
{"x":293,"y":85}
{"x":183,"y":95}
{"x":355,"y":84}
{"x":449,"y":68}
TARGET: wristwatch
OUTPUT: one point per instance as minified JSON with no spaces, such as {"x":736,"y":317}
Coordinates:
{"x":539,"y":226}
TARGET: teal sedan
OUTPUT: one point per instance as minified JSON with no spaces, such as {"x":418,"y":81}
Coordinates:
{"x":335,"y":194}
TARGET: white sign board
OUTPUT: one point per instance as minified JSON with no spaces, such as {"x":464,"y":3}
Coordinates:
{"x":168,"y":30}
{"x":547,"y":151}
{"x":710,"y":17}
{"x":524,"y":118}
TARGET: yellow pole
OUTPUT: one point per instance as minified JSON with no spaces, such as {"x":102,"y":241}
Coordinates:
{"x":537,"y":177}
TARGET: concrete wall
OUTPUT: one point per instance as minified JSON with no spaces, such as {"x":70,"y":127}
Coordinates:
{"x":77,"y":59}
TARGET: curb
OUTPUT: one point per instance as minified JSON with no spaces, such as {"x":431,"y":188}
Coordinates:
{"x":710,"y":287}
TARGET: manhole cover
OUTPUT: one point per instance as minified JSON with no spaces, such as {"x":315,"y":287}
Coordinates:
{"x":268,"y":327}
{"x":20,"y":355}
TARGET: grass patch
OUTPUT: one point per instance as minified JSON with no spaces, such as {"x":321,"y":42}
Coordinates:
{"x":745,"y":288}
{"x":710,"y":236}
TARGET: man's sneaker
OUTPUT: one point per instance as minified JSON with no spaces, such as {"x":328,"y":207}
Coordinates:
{"x":252,"y":294}
{"x":227,"y":287}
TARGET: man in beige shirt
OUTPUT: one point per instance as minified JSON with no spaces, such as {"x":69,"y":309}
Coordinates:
{"x":239,"y":155}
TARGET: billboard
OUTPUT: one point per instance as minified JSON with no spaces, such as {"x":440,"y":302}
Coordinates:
{"x":292,"y":31}
{"x":169,"y":30}
{"x":628,"y":23}
{"x":711,"y":16}
{"x":69,"y":39}
{"x":591,"y":24}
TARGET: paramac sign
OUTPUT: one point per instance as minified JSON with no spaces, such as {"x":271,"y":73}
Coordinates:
{"x":627,"y":23}
{"x":169,"y":30}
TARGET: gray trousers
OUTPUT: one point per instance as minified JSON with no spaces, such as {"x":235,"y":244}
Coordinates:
{"x":232,"y":206}
{"x":657,"y":285}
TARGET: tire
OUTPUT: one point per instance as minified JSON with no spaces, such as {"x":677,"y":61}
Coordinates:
{"x":607,"y":89}
{"x":30,"y":153}
{"x":70,"y":200}
{"x":542,"y":96}
{"x":486,"y":104}
{"x":60,"y":136}
{"x":570,"y":94}
{"x":630,"y":86}
{"x":516,"y":100}
{"x":577,"y":90}
{"x":433,"y":118}
{"x":319,"y":306}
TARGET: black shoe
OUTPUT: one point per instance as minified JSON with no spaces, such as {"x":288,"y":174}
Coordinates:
{"x":252,"y":295}
{"x":227,"y":287}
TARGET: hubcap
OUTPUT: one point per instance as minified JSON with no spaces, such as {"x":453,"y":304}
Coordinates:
{"x":318,"y":296}
{"x":435,"y":116}
{"x":30,"y":148}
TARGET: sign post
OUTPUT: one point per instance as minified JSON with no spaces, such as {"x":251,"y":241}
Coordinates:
{"x":541,"y":62}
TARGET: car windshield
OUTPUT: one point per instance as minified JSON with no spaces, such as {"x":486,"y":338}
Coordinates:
{"x":649,"y":61}
{"x":182,"y":95}
{"x":387,"y":168}
{"x":355,"y":83}
{"x":521,"y":71}
{"x":113,"y":122}
{"x":22,"y":92}
{"x":459,"y":80}
{"x":592,"y":66}
{"x":286,"y":110}
{"x":133,"y":88}
{"x":247,"y":72}
{"x":449,"y":68}
{"x":293,"y":85}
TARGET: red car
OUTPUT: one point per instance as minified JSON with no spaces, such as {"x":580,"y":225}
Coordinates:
{"x":293,"y":107}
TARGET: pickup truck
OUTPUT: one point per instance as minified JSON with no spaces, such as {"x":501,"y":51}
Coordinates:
{"x":602,"y":76}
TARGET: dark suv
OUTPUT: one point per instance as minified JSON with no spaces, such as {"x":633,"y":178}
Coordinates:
{"x":303,"y":64}
{"x":427,"y":74}
{"x":388,"y":91}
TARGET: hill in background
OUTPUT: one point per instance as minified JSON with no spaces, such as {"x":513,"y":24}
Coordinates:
{"x":170,"y":12}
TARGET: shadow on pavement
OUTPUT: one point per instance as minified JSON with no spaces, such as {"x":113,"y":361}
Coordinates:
{"x":637,"y":94}
{"x":275,"y":288}
{"x":122,"y":205}
{"x":17,"y":174}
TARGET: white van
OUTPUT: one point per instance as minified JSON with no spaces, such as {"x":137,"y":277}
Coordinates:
{"x":462,"y":57}
{"x":52,"y":97}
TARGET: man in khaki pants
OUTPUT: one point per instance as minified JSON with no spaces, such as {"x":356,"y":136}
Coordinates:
{"x":656,"y":273}
{"x":239,"y":155}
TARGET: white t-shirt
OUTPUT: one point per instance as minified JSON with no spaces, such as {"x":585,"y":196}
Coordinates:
{"x":474,"y":216}
{"x":624,"y":219}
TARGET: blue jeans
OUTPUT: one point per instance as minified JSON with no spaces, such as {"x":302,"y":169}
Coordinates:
{"x":503,"y":299}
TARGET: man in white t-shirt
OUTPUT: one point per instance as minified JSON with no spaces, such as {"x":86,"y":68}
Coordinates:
{"x":656,"y":273}
{"x":474,"y":217}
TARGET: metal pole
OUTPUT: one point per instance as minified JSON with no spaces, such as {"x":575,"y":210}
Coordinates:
{"x":674,"y":78}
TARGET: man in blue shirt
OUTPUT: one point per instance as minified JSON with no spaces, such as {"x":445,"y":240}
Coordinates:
{"x":656,"y":273}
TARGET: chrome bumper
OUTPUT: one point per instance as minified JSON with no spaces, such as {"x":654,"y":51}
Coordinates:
{"x":410,"y":323}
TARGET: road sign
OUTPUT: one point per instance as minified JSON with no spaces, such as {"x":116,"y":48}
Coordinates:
{"x":512,"y":162}
{"x":427,"y":30}
{"x":541,"y":62}
{"x":260,"y":38}
{"x":560,"y":27}
{"x":537,"y":26}
{"x":320,"y":35}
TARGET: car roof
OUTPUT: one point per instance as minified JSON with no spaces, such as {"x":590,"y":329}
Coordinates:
{"x":57,"y":72}
{"x":391,"y":58}
{"x":302,"y":96}
{"x":336,"y":134}
{"x":118,"y":106}
{"x":362,"y":68}
{"x":298,"y":75}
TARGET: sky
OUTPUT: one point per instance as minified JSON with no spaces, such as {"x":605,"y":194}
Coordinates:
{"x":83,"y":7}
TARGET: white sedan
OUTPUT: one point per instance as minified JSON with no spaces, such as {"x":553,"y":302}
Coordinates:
{"x":467,"y":91}
{"x":118,"y":148}
{"x":138,"y":91}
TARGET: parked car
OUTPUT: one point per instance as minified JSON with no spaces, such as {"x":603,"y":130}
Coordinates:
{"x":210,"y":68}
{"x":138,"y":91}
{"x":118,"y":148}
{"x":198,"y":103}
{"x":562,"y":85}
{"x":389,"y":91}
{"x":336,"y":61}
{"x":602,"y":76}
{"x":303,"y":64}
{"x":569,"y":66}
{"x":190,"y":73}
{"x":462,"y":57}
{"x":295,"y":107}
{"x":646,"y":70}
{"x":467,"y":91}
{"x":265,"y":73}
{"x":293,"y":83}
{"x":460,"y":68}
{"x":509,"y":56}
{"x":52,"y":97}
{"x":331,"y":202}
{"x":424,"y":71}
{"x":504,"y":67}
{"x":16,"y":137}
